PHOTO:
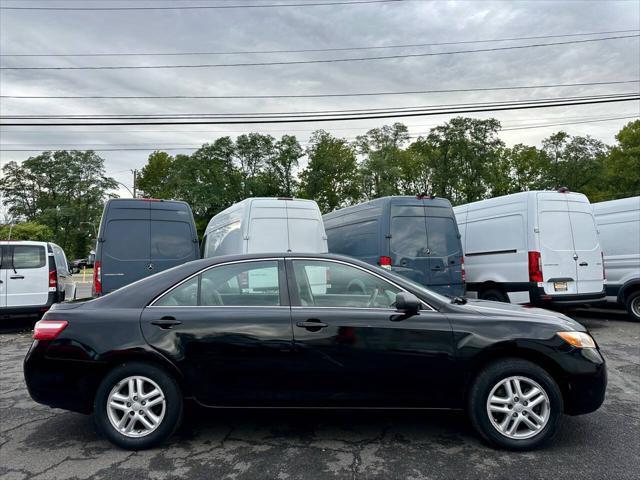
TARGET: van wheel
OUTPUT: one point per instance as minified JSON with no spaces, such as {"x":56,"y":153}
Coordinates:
{"x":137,"y":406}
{"x":515,"y":404}
{"x":495,"y":295}
{"x":633,"y":306}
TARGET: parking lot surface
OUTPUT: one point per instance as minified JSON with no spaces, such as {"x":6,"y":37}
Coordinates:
{"x":37,"y":442}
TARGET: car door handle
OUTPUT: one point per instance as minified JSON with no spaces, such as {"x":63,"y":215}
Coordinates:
{"x":583,"y":264}
{"x":166,"y":322}
{"x":436,"y":269}
{"x":312,"y":324}
{"x":16,"y":277}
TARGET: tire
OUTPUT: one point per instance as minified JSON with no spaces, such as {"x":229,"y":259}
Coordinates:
{"x":494,"y":295}
{"x":168,"y":413}
{"x":550,"y":408}
{"x":633,"y":306}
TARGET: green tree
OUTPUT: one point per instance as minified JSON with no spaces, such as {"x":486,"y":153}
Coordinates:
{"x":622,"y":166}
{"x":331,"y":176}
{"x":281,"y":165}
{"x":26,"y":231}
{"x":156,"y":178}
{"x":576,"y":162}
{"x":254,"y":151}
{"x":529,"y":168}
{"x":383,"y":153}
{"x":64,"y":190}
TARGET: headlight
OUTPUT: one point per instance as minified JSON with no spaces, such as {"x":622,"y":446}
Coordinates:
{"x":578,"y":339}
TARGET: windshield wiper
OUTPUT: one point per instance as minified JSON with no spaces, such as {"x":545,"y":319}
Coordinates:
{"x":458,"y":300}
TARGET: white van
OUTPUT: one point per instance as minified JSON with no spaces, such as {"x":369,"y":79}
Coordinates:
{"x":538,"y":247}
{"x":33,"y":276}
{"x":266,"y":225}
{"x":619,"y":229}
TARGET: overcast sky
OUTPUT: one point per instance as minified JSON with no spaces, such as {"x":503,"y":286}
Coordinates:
{"x":336,"y":26}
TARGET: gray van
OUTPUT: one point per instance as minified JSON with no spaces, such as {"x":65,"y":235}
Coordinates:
{"x":140,"y":237}
{"x":416,"y":237}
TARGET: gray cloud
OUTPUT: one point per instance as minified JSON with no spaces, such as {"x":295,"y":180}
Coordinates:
{"x":318,"y":27}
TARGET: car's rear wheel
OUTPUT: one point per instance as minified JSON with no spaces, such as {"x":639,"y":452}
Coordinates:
{"x":633,"y":306}
{"x":137,"y":406}
{"x":515,"y":404}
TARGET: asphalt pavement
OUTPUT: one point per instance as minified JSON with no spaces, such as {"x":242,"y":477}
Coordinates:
{"x":37,"y":442}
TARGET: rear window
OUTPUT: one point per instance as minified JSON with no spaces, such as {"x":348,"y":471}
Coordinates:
{"x":29,"y":256}
{"x":409,"y":236}
{"x":442,"y":237}
{"x":127,"y":239}
{"x":585,"y":235}
{"x":356,"y":239}
{"x":170,"y":240}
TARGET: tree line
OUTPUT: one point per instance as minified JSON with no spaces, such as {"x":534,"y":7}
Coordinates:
{"x":58,"y":196}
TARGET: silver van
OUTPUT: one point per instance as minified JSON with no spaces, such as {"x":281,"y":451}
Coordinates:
{"x":33,"y":276}
{"x":266,"y":225}
{"x":618,"y":224}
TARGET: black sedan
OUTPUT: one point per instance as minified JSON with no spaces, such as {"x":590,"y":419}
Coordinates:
{"x":289,"y":330}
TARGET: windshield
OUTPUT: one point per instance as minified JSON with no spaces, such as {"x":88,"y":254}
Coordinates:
{"x":421,"y":289}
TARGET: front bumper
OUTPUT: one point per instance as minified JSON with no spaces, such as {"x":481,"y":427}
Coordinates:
{"x":585,"y":388}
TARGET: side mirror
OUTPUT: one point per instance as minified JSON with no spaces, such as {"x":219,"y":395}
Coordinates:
{"x":407,"y":303}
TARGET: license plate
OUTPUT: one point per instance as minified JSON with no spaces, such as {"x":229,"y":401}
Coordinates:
{"x":560,"y":286}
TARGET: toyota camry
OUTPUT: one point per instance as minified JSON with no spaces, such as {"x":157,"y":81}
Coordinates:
{"x":309,"y":331}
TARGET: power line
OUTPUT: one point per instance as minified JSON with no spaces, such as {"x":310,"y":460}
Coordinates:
{"x":209,"y":7}
{"x":319,"y":95}
{"x":301,"y":113}
{"x":330,"y":119}
{"x":312,"y":50}
{"x":174,"y":147}
{"x":326,"y":60}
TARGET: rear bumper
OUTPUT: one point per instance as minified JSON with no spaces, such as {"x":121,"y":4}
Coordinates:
{"x":539,"y":297}
{"x":30,"y":311}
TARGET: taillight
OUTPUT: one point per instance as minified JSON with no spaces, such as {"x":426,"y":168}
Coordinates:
{"x":53,"y":280}
{"x":604,"y":272}
{"x":385,"y":262}
{"x":464,"y":274}
{"x":535,"y":267}
{"x":97,"y":282}
{"x":48,"y":329}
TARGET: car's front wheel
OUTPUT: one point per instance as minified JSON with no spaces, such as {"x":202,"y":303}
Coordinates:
{"x":137,"y":406}
{"x":515,"y":404}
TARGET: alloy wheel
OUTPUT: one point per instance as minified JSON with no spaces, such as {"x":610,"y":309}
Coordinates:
{"x":518,"y":407}
{"x":635,"y":306}
{"x":136,"y":406}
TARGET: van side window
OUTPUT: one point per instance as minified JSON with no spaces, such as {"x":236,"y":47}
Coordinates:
{"x":29,"y":256}
{"x":331,"y":284}
{"x":442,"y":238}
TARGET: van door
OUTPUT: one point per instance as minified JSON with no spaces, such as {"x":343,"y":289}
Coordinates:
{"x":124,"y":245}
{"x":268,"y":231}
{"x":4,"y":259}
{"x":409,"y":247}
{"x":27,"y":276}
{"x":559,"y":267}
{"x":305,"y":228}
{"x":445,"y":266}
{"x":586,"y":245}
{"x":172,"y":239}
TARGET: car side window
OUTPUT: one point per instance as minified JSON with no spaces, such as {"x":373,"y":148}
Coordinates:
{"x":185,"y":295}
{"x":248,"y":284}
{"x":331,"y":284}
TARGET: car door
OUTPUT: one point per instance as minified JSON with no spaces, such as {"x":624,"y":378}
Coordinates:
{"x":28,"y":276}
{"x":4,"y":258}
{"x":228,"y":329}
{"x":352,"y":348}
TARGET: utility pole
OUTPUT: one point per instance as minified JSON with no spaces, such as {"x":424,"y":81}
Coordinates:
{"x":135,"y":181}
